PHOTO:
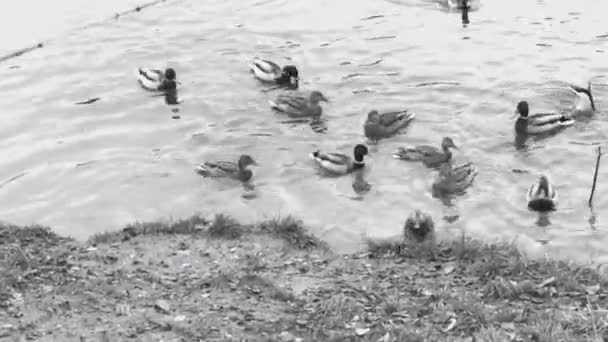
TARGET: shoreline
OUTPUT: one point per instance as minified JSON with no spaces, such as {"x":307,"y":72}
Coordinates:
{"x":221,"y":280}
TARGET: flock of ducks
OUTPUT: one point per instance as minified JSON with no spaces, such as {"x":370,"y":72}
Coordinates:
{"x":451,"y":178}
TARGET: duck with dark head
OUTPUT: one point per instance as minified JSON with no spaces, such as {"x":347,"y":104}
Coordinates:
{"x":157,"y":80}
{"x":269,"y":71}
{"x":338,"y":163}
{"x":539,"y":123}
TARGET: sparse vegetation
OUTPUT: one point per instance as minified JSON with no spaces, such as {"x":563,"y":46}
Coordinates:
{"x":219,"y":280}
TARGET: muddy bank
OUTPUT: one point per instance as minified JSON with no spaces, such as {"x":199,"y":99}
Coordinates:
{"x":221,"y":280}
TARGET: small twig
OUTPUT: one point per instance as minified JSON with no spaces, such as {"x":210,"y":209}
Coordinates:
{"x":597,"y":166}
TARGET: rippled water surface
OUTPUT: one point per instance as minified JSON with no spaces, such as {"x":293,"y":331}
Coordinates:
{"x":83,"y":169}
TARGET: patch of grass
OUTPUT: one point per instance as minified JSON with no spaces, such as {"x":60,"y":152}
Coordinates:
{"x":226,"y":227}
{"x":291,"y":231}
{"x":192,"y":225}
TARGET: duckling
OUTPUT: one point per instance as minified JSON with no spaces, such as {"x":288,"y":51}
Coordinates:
{"x":385,"y":125}
{"x":299,"y":106}
{"x":539,"y":123}
{"x":585,"y":103}
{"x":339,"y":163}
{"x":429,"y":155}
{"x":153,"y":79}
{"x":269,"y":71}
{"x":541,"y":196}
{"x":238,"y":171}
{"x":418,"y":227}
{"x":454,"y":180}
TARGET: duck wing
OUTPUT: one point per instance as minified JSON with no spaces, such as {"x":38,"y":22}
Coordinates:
{"x":389,"y":118}
{"x":265,"y":70}
{"x":419,"y":152}
{"x":149,"y":78}
{"x":333,"y":162}
{"x":545,"y":122}
{"x":217,"y":168}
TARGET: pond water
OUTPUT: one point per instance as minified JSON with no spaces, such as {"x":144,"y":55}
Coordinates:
{"x":83,"y":169}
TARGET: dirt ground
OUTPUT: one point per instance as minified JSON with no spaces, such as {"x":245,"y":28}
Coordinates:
{"x":220,"y":280}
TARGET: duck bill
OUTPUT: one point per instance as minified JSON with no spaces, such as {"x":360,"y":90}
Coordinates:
{"x":324,"y":99}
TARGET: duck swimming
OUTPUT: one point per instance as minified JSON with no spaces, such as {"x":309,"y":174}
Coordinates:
{"x":229,"y":169}
{"x":338,"y":163}
{"x":269,"y":71}
{"x":153,"y":79}
{"x":585,"y":103}
{"x":378,"y":126}
{"x":541,"y":196}
{"x":429,"y":155}
{"x":299,"y":106}
{"x":454,"y":180}
{"x":539,"y":123}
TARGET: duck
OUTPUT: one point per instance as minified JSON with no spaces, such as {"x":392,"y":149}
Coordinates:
{"x":378,"y":126}
{"x":454,"y":179}
{"x":418,"y":227}
{"x":585,"y":103}
{"x":269,"y":71}
{"x":429,"y":155}
{"x":541,"y":196}
{"x":299,"y":106}
{"x":539,"y":123}
{"x":229,"y":169}
{"x":153,"y":79}
{"x":338,"y":163}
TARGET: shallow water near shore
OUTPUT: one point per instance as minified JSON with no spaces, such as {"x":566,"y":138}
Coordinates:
{"x":83,"y":169}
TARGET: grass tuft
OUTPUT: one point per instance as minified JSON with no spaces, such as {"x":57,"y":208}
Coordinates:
{"x":291,"y":231}
{"x":226,"y":227}
{"x":192,"y":225}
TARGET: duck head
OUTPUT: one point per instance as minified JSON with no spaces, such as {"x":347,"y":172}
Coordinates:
{"x":317,"y":96}
{"x":245,"y":160}
{"x":291,"y":72}
{"x":447,"y":143}
{"x":359,"y":152}
{"x":170,"y":74}
{"x":419,"y":224}
{"x":373,"y":117}
{"x":522,"y":109}
{"x":543,"y":184}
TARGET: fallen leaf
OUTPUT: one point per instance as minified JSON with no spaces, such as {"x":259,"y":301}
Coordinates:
{"x":179,"y":318}
{"x":385,"y":338}
{"x":451,"y":325}
{"x":361,"y":331}
{"x":162,"y":306}
{"x":591,"y":290}
{"x":547,"y":282}
{"x":448,"y":269}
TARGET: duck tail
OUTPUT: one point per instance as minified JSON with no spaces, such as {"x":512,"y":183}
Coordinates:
{"x":400,"y":153}
{"x":273,"y":104}
{"x":314,"y":155}
{"x":409,"y":116}
{"x":202,"y":169}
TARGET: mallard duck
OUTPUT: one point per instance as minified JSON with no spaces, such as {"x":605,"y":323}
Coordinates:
{"x":418,"y":227}
{"x":539,"y":123}
{"x":384,"y":125}
{"x":429,"y":155}
{"x":153,"y":79}
{"x":541,"y":196}
{"x":585,"y":103}
{"x":299,"y":106}
{"x":454,"y":179}
{"x":339,"y":163}
{"x":269,"y":71}
{"x":238,"y":171}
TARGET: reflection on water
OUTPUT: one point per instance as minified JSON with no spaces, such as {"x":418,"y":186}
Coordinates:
{"x":125,"y":157}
